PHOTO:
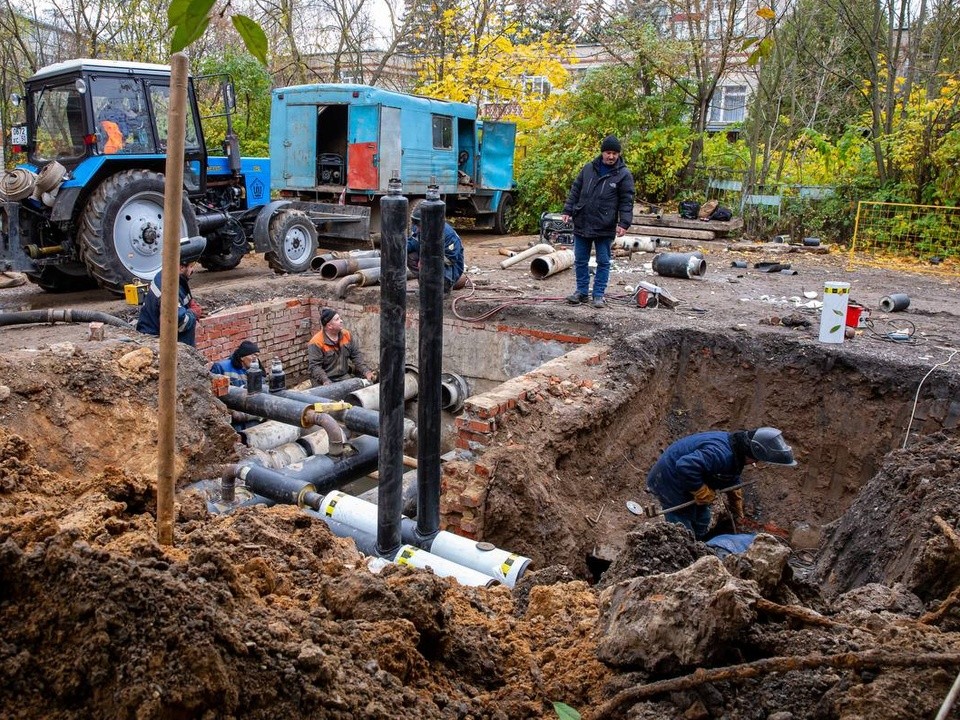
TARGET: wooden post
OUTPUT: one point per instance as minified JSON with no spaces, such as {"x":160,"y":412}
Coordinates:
{"x":169,"y":292}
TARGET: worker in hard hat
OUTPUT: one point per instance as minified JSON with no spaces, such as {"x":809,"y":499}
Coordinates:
{"x":453,"y":256}
{"x":696,"y":467}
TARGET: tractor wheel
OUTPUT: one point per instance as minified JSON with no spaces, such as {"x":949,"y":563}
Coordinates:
{"x":121,"y":232}
{"x":57,"y":280}
{"x":503,"y":223}
{"x":293,"y":242}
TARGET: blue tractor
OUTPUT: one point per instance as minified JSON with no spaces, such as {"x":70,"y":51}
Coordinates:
{"x":86,"y":208}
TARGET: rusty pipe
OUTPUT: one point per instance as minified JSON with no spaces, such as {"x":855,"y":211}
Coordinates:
{"x":333,"y":269}
{"x":551,"y":264}
{"x":529,"y":252}
{"x":335,"y":434}
{"x":346,"y":283}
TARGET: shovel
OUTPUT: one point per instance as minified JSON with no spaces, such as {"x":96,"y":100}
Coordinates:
{"x":651,"y":511}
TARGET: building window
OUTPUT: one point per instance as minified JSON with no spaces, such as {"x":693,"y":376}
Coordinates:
{"x":537,"y":85}
{"x":442,"y":132}
{"x":729,"y":104}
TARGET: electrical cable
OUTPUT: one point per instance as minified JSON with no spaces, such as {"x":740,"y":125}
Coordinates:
{"x":916,"y":398}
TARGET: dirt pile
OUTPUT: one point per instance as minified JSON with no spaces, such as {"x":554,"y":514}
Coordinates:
{"x":264,"y":614}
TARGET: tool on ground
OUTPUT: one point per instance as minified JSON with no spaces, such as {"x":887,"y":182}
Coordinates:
{"x":652,"y":510}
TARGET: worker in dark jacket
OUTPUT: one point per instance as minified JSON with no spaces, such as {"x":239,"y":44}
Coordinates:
{"x":453,"y":256}
{"x":600,"y":203}
{"x":235,"y":367}
{"x":697,"y":466}
{"x":333,"y":354}
{"x":188,"y":311}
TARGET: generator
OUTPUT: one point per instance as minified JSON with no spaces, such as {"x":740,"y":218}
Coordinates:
{"x":554,"y":230}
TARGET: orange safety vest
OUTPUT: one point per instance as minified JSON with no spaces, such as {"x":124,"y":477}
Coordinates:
{"x":114,"y":143}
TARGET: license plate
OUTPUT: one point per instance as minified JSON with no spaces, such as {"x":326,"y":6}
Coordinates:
{"x":18,"y":135}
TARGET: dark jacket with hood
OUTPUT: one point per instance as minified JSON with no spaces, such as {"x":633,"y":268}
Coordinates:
{"x":714,"y":459}
{"x":598,"y":203}
{"x":149,"y":321}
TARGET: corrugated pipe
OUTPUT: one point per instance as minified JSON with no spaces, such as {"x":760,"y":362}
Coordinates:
{"x":26,"y":317}
{"x":529,"y":252}
{"x":500,"y":565}
{"x":333,"y":269}
{"x":393,"y":314}
{"x":363,"y":278}
{"x":429,"y":364}
{"x":551,"y":264}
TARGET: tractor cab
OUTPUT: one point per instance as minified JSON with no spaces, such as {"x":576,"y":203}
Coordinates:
{"x":84,"y":109}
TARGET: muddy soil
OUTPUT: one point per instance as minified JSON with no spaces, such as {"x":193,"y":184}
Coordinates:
{"x":263,"y":613}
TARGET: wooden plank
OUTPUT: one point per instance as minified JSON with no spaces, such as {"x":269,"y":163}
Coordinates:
{"x":720,"y":227}
{"x":669,"y":232}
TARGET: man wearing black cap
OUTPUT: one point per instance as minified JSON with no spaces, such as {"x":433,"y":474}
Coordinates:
{"x":695,"y":467}
{"x":235,"y":366}
{"x":189,"y":311}
{"x":600,"y":203}
{"x":333,"y":354}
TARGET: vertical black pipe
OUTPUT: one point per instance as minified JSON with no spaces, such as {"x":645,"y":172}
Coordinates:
{"x":430,"y":362}
{"x":393,"y":311}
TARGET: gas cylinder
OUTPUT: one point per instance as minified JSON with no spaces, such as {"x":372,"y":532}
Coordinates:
{"x":254,"y":378}
{"x":278,"y":379}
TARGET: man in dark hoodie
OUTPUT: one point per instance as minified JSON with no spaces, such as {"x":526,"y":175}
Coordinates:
{"x":600,"y":203}
{"x":697,"y":466}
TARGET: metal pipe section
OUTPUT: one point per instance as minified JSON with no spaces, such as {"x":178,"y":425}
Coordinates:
{"x":341,"y":288}
{"x":356,"y":419}
{"x":551,"y":264}
{"x":26,"y":317}
{"x":338,"y":390}
{"x":679,"y":265}
{"x":318,"y":260}
{"x":269,"y":434}
{"x":409,"y":494}
{"x":361,"y":278}
{"x":529,"y":252}
{"x":369,"y":397}
{"x":503,"y":566}
{"x":637,"y":243}
{"x":268,"y":405}
{"x":333,"y":269}
{"x":430,"y":364}
{"x":454,"y":391}
{"x":393,"y":314}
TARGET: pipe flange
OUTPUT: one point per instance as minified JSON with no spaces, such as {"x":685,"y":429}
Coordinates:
{"x":454,"y":391}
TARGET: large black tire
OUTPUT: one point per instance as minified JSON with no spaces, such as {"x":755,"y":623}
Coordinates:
{"x":293,"y":242}
{"x":121,"y":232}
{"x":234,"y":244}
{"x":56,"y":280}
{"x":503,"y":223}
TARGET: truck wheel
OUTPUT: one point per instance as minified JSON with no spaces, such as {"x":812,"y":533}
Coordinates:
{"x":55,"y":280}
{"x":121,"y":229}
{"x":503,"y":223}
{"x":293,"y":242}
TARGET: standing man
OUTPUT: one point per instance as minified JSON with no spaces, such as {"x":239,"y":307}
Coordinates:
{"x":188,"y":311}
{"x":453,"y":258}
{"x":697,"y":466}
{"x":333,"y":354}
{"x":600,"y":204}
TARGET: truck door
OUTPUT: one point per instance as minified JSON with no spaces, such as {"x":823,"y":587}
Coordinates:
{"x":390,"y":154}
{"x":496,"y":155}
{"x":363,"y":136}
{"x":297,"y":168}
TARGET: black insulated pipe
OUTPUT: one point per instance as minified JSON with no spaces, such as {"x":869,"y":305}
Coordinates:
{"x":271,"y":406}
{"x":338,"y":390}
{"x":430,"y":362}
{"x":393,"y":312}
{"x":26,"y":317}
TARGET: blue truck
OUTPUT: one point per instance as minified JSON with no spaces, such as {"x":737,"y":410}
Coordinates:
{"x":344,"y":142}
{"x":86,"y":207}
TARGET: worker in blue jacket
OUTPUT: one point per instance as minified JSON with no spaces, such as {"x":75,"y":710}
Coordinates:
{"x":697,"y":466}
{"x":453,"y":256}
{"x":235,"y":367}
{"x":188,"y":309}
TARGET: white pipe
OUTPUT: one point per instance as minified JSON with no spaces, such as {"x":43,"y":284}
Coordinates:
{"x":416,"y":557}
{"x":529,"y":252}
{"x":637,"y":243}
{"x":551,"y":264}
{"x":369,"y":397}
{"x":833,"y":315}
{"x":269,"y":434}
{"x":506,"y":567}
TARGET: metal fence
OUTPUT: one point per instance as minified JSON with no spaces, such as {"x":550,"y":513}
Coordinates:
{"x":919,"y":237}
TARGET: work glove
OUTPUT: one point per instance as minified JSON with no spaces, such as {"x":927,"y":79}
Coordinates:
{"x":704,"y":495}
{"x":195,"y":308}
{"x":736,"y":503}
